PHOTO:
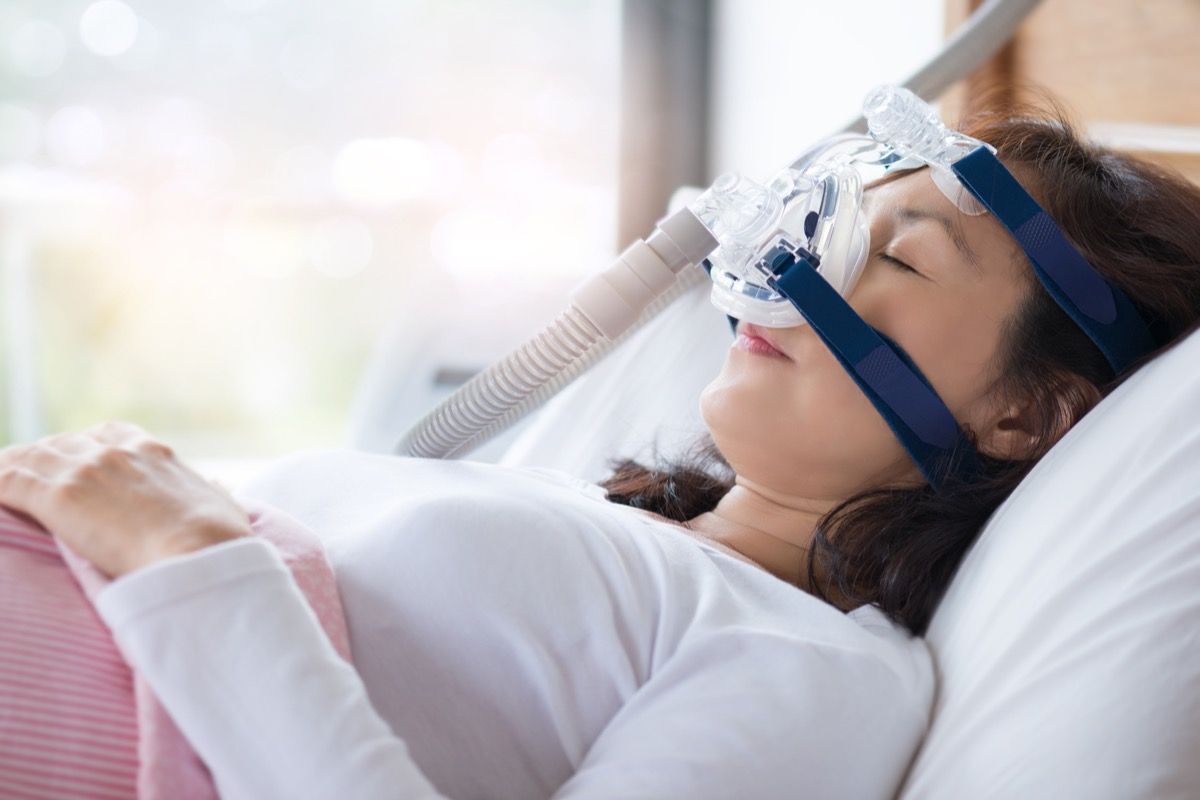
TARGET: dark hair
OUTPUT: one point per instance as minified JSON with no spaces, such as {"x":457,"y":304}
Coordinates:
{"x":898,"y":548}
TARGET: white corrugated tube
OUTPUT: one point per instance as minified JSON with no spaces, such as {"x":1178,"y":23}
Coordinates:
{"x":603,"y":311}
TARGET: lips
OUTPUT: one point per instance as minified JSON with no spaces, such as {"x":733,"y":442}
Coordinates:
{"x":755,"y":332}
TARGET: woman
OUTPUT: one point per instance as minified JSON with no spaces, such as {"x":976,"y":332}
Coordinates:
{"x":669,"y":633}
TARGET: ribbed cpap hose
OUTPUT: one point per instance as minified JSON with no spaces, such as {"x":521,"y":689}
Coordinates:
{"x":604,"y":311}
{"x":482,"y":406}
{"x":523,"y":381}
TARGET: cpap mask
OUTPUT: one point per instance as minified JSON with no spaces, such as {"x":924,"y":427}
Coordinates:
{"x":789,"y":253}
{"x":816,"y":204}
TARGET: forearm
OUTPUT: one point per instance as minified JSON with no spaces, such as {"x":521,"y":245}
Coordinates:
{"x":236,"y":656}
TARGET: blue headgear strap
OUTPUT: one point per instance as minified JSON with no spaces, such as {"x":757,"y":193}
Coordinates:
{"x":885,"y":374}
{"x":1102,"y":310}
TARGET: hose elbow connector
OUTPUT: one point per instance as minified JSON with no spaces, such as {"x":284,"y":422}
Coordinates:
{"x":614,"y":298}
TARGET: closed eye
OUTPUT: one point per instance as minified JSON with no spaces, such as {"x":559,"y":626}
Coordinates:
{"x":895,"y":262}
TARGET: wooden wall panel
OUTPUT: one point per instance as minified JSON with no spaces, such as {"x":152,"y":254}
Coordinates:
{"x":1130,"y":68}
{"x":1117,"y":60}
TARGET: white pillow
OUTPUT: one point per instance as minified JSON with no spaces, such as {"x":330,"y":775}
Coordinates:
{"x":1068,"y":644}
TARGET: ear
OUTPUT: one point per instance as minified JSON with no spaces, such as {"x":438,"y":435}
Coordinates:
{"x":1027,"y":427}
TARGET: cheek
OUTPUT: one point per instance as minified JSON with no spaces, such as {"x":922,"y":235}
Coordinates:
{"x":954,"y":345}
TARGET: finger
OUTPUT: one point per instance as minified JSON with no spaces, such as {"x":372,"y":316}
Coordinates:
{"x":73,"y":444}
{"x":61,"y":443}
{"x":154,"y":447}
{"x":126,"y":435}
{"x":32,"y":457}
{"x":116,"y":432}
{"x":14,"y":454}
{"x":21,"y":489}
{"x":65,"y":456}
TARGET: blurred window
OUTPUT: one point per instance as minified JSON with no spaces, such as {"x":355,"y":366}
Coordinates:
{"x":212,"y":210}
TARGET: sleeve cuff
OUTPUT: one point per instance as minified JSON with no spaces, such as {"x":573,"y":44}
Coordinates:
{"x":177,"y":577}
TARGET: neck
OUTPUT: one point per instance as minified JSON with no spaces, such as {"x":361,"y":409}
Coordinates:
{"x":771,"y":529}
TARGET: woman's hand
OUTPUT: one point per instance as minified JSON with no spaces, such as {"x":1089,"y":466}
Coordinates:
{"x":117,"y":497}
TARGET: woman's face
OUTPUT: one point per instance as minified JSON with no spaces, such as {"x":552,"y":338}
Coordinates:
{"x":800,"y":425}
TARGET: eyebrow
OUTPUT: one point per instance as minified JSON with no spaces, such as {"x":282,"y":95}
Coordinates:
{"x":952,"y":230}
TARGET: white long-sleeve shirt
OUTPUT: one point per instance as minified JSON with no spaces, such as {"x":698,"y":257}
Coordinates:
{"x":514,"y":635}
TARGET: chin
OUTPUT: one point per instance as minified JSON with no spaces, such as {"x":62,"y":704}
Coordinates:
{"x":735,"y":398}
{"x":733,"y":431}
{"x":709,"y":401}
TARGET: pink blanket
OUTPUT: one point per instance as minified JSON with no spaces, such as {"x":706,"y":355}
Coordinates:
{"x":75,"y":720}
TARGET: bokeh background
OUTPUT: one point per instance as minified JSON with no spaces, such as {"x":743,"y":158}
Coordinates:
{"x":224,"y":203}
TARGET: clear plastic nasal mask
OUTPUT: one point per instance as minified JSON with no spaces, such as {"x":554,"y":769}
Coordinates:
{"x":816,"y":204}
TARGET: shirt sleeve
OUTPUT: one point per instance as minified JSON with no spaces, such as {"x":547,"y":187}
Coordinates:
{"x":239,"y":660}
